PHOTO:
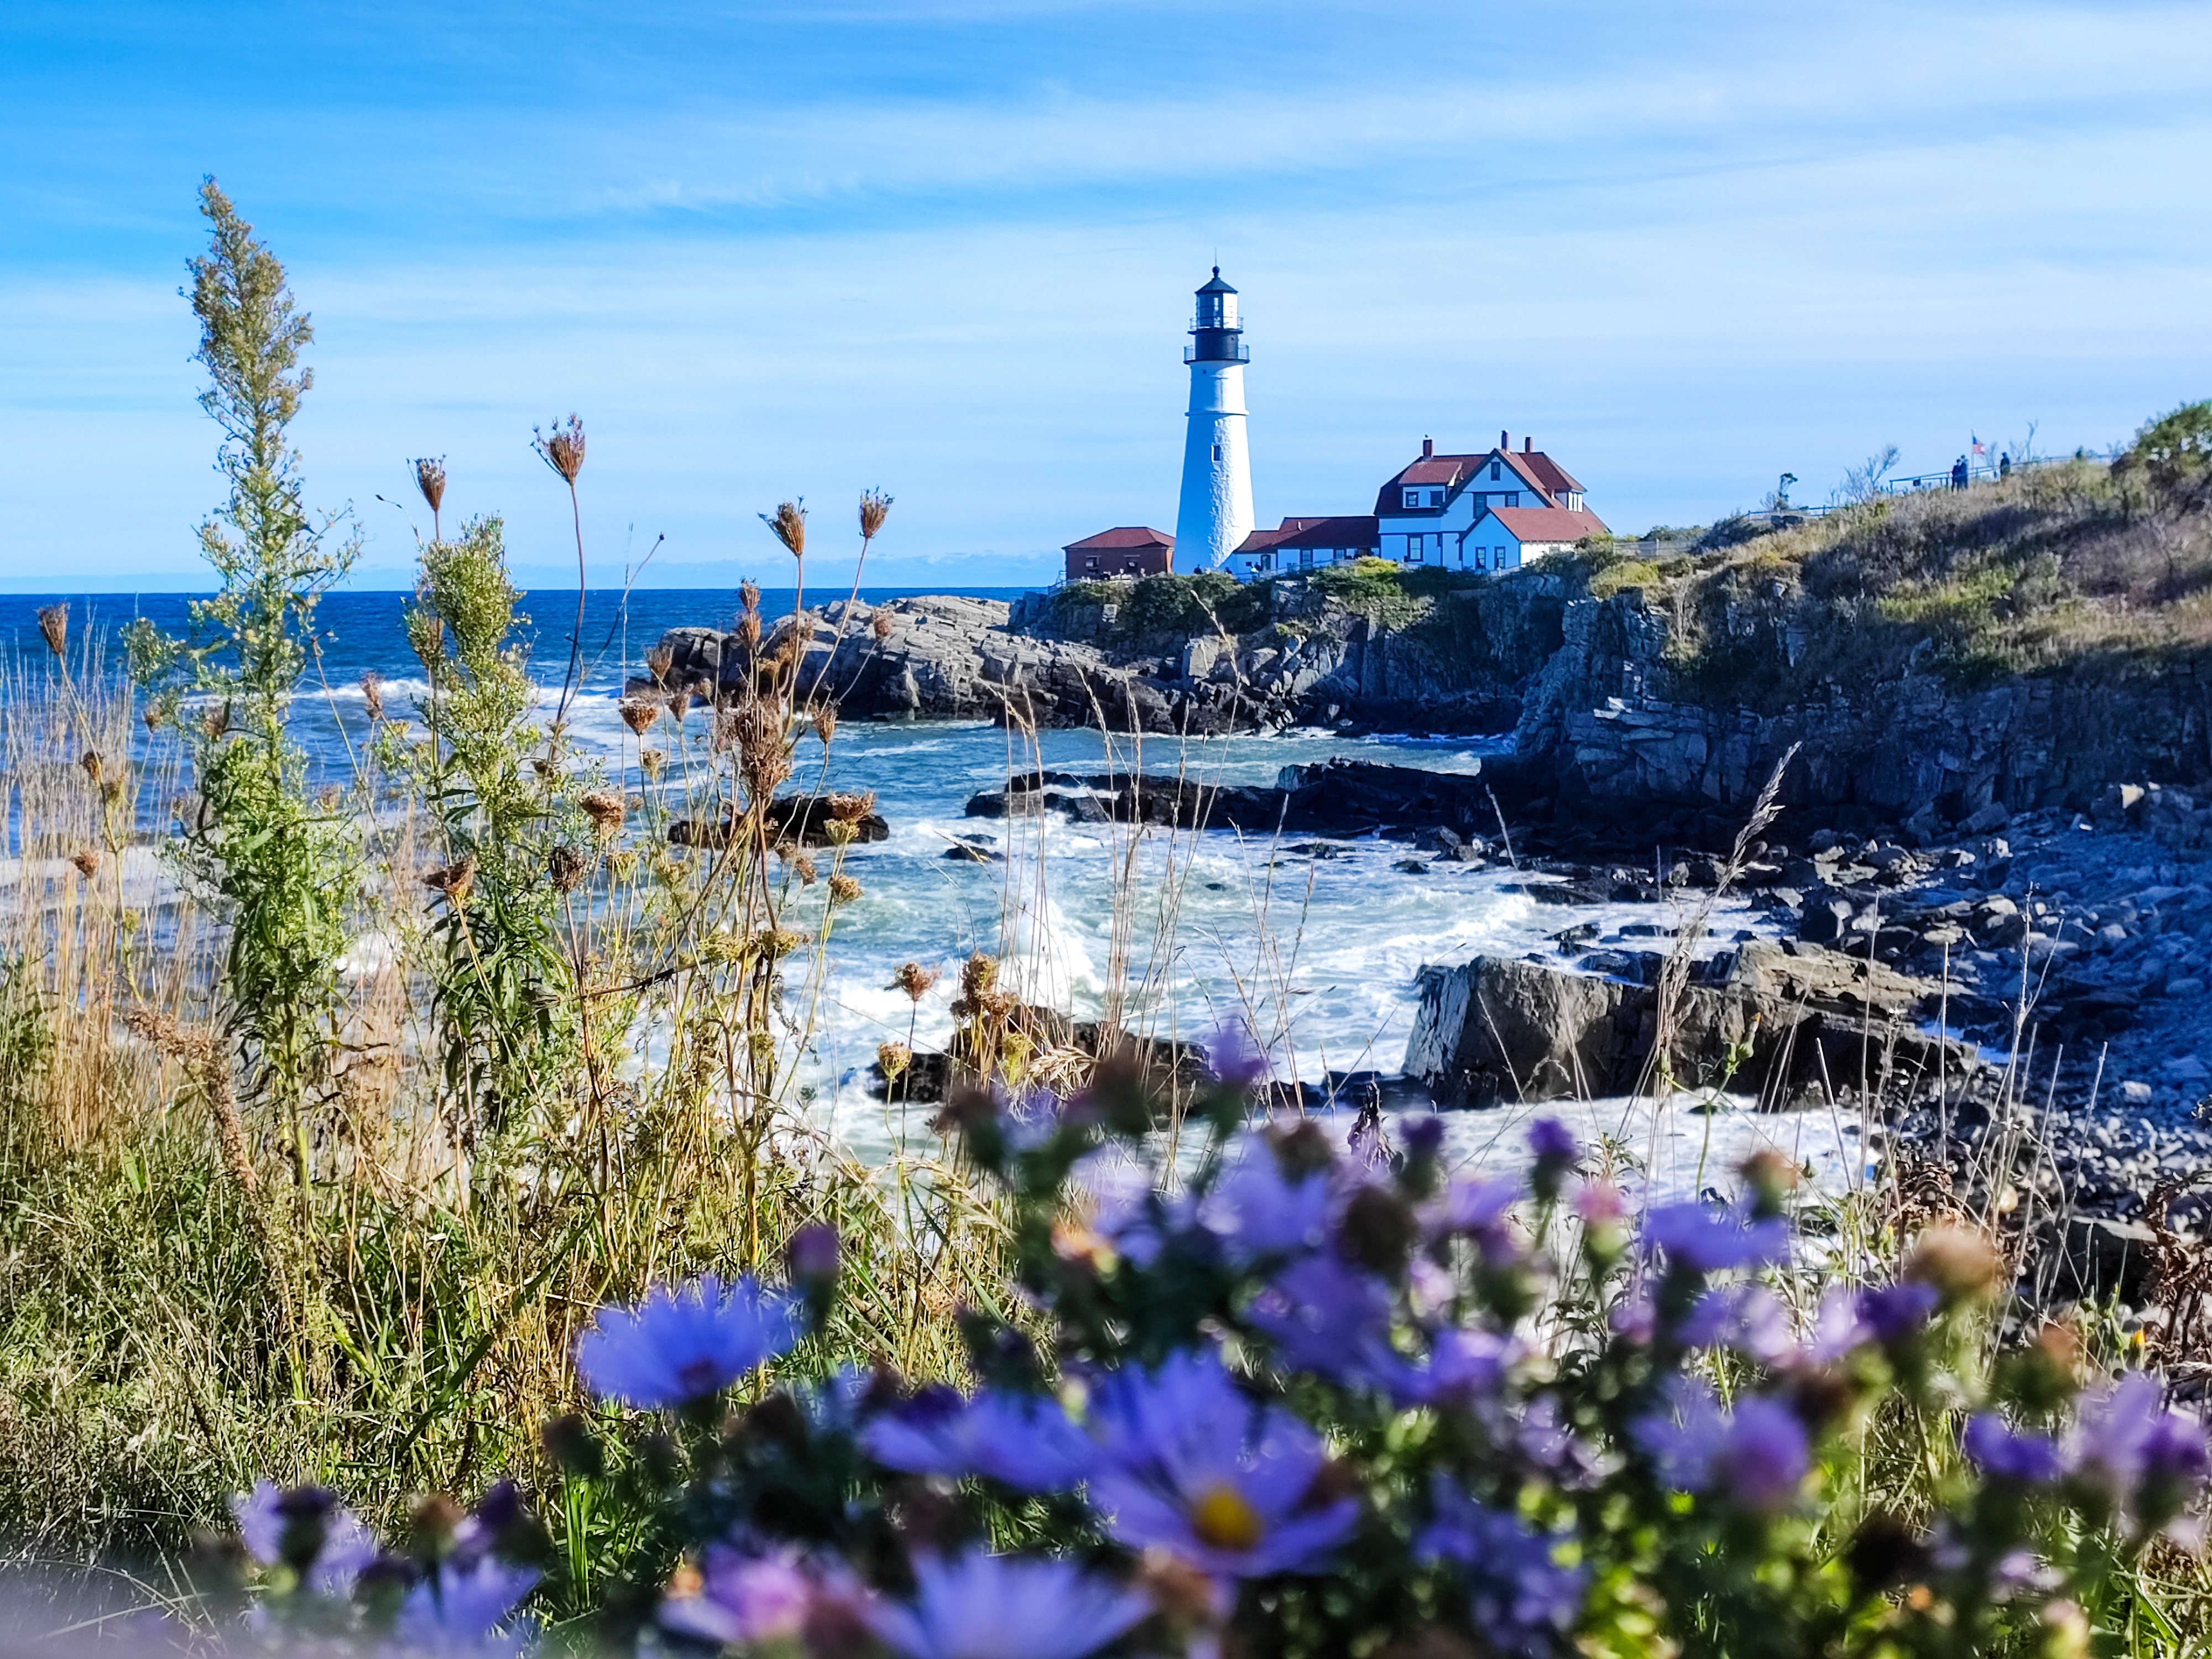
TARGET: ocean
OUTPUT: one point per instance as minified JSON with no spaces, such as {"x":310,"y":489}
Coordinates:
{"x":1316,"y":945}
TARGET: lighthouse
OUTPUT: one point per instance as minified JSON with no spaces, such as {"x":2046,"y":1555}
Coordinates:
{"x":1216,"y":511}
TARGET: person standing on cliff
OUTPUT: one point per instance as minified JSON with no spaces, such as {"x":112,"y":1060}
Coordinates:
{"x":1959,"y":473}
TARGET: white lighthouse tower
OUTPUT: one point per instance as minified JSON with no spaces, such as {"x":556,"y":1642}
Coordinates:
{"x":1216,"y":512}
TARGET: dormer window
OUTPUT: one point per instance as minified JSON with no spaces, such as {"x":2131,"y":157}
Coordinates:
{"x":1436,"y":498}
{"x":1412,"y":498}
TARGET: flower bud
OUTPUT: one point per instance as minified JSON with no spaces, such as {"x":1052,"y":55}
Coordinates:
{"x":1957,"y":1264}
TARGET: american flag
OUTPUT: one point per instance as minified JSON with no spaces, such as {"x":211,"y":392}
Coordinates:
{"x":1980,"y":448}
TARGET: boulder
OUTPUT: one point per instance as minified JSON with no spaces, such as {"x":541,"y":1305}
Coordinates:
{"x":802,"y":818}
{"x":1781,"y":1021}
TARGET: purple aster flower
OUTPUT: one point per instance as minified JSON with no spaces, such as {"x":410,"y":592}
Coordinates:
{"x":1191,"y":1465}
{"x":1837,"y":1326}
{"x":1551,"y":1141}
{"x":1705,"y":1240}
{"x":1022,"y":1441}
{"x":1464,"y":1366}
{"x":2004,"y":1455}
{"x":1683,"y":1436}
{"x":979,"y":1606}
{"x":1894,"y":1312}
{"x":1522,"y":1598}
{"x":1745,"y":1317}
{"x":1234,"y":1059}
{"x":465,"y":1610}
{"x":2142,"y":1457}
{"x":1758,"y":1456}
{"x":1601,"y":1204}
{"x":1257,"y":1211}
{"x":1634,"y":1319}
{"x":676,"y":1347}
{"x":1553,"y":1447}
{"x":1333,"y":1319}
{"x":305,"y":1527}
{"x":1766,"y":1456}
{"x":744,"y":1599}
{"x":1471,"y":1204}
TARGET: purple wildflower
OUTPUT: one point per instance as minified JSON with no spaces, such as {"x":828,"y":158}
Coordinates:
{"x":676,"y":1347}
{"x":1022,"y":1441}
{"x":1758,"y":1456}
{"x":1193,"y":1465}
{"x":1234,"y":1059}
{"x":980,"y":1606}
{"x":305,"y":1527}
{"x":1703,"y":1240}
{"x":1471,"y":1204}
{"x":744,"y":1599}
{"x":2142,"y":1457}
{"x":1464,"y":1366}
{"x":2005,"y":1455}
{"x":1601,"y":1204}
{"x":1551,"y":1141}
{"x":1257,"y":1210}
{"x":1745,"y":1317}
{"x":1331,"y":1318}
{"x":1522,"y":1598}
{"x":1894,"y":1312}
{"x":1767,"y":1455}
{"x":459,"y":1609}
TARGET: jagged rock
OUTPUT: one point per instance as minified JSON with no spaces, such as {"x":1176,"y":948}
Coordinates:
{"x":1803,"y":1018}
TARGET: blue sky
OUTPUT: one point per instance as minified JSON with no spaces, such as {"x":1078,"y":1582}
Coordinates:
{"x":948,"y":249}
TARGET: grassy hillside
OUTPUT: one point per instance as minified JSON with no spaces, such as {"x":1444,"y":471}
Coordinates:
{"x":2077,"y":566}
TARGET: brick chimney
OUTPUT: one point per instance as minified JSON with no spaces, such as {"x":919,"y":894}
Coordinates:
{"x":1428,"y":449}
{"x":1505,"y":438}
{"x":1527,"y":445}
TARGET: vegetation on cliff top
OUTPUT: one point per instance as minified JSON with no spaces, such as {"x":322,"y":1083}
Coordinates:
{"x":1170,"y":609}
{"x":2070,"y":566}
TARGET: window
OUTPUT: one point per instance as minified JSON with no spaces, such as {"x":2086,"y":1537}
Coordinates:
{"x":1501,"y":557}
{"x":1482,"y":503}
{"x":1217,"y":452}
{"x":1412,"y":550}
{"x":1494,"y":467}
{"x":1436,"y":498}
{"x":1482,"y":558}
{"x":1305,"y":556}
{"x":1412,"y":498}
{"x":1512,"y":498}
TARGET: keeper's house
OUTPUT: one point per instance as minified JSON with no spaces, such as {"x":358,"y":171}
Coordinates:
{"x":1489,"y":513}
{"x":1124,"y":551}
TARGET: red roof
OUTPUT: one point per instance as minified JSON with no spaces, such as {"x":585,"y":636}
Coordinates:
{"x":1260,"y":539}
{"x":1543,"y":474}
{"x":1347,"y":530}
{"x":1548,"y":523}
{"x":1120,"y":539}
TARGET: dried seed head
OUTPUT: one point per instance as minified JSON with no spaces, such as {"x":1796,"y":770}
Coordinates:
{"x":881,"y":627}
{"x":679,"y":705}
{"x":568,"y":867}
{"x":851,"y":809}
{"x":94,"y":764}
{"x":430,"y":479}
{"x":824,"y":715}
{"x":763,"y":749}
{"x":978,"y":975}
{"x":875,"y":507}
{"x":605,"y":807}
{"x":154,"y":714}
{"x":87,"y":862}
{"x":216,"y":721}
{"x":892,"y":1059}
{"x":652,"y":762}
{"x":749,"y":596}
{"x":749,"y":631}
{"x":1960,"y":1264}
{"x":372,"y":695}
{"x":328,"y":801}
{"x":804,"y":867}
{"x":54,"y":622}
{"x":639,"y":712}
{"x":454,"y":880}
{"x":659,"y":661}
{"x":843,"y":890}
{"x":914,"y":980}
{"x":788,"y":521}
{"x":564,"y":450}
